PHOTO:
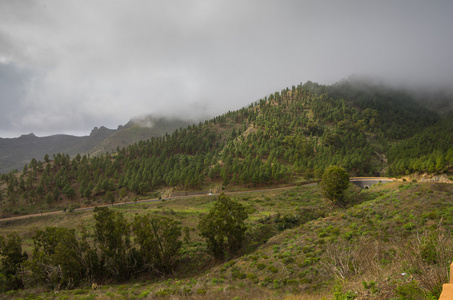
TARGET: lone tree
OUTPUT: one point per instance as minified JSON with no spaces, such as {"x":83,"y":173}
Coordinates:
{"x":335,"y":181}
{"x":12,"y":258}
{"x":109,"y":197}
{"x":159,"y":241}
{"x":224,"y":227}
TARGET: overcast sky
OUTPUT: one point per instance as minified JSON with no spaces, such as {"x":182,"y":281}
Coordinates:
{"x":67,"y":66}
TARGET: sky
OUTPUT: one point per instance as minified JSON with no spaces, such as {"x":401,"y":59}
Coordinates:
{"x":67,"y":66}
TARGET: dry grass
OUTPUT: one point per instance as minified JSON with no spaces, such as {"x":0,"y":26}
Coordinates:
{"x":428,"y":256}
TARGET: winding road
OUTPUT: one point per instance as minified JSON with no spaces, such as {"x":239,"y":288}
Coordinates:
{"x":363,"y":181}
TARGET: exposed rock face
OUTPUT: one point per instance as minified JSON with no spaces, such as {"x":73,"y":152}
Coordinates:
{"x":442,"y":178}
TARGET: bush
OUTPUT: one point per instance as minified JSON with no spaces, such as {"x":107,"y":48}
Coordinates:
{"x":288,"y":260}
{"x":371,"y":285}
{"x":340,"y":295}
{"x":144,"y":294}
{"x":236,"y":273}
{"x":217,"y":280}
{"x":409,"y":290}
{"x":408,"y":226}
{"x":272,"y":269}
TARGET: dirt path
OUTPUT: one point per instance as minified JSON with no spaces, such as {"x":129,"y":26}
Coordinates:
{"x":182,"y":197}
{"x":143,"y":201}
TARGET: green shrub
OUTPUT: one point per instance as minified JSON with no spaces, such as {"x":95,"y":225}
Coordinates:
{"x":408,"y":226}
{"x":307,"y":249}
{"x":348,"y":235}
{"x":288,"y":260}
{"x":409,"y":290}
{"x":273,"y":269}
{"x":144,"y":294}
{"x":217,"y":280}
{"x":229,"y":264}
{"x":164,"y":292}
{"x":340,"y":295}
{"x":266,"y":281}
{"x":371,"y":285}
{"x":236,"y":273}
{"x":322,"y":234}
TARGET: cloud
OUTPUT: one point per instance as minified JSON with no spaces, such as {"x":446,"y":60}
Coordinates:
{"x":71,"y":67}
{"x":14,"y":82}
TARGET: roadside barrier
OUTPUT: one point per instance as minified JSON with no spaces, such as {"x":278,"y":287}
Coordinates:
{"x":447,"y":288}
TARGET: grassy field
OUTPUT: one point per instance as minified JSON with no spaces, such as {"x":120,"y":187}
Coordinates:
{"x":392,"y":242}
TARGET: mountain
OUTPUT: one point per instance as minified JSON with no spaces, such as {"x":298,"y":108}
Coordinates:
{"x":139,"y":129}
{"x":391,"y":241}
{"x":16,"y":152}
{"x":289,"y":136}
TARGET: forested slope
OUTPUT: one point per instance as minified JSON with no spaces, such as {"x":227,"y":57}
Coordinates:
{"x":399,"y":114}
{"x":295,"y":133}
{"x":282,"y":240}
{"x":430,"y":150}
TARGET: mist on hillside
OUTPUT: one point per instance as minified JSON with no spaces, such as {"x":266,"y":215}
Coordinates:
{"x":432,"y":96}
{"x":198,"y":59}
{"x":150,"y":121}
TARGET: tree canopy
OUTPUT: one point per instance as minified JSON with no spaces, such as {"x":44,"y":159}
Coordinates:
{"x":334,"y":183}
{"x":224,"y":227}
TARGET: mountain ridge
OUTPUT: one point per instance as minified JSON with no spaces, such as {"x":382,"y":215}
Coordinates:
{"x":16,"y":152}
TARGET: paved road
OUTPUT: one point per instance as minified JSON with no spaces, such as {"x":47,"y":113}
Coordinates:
{"x":371,"y":179}
{"x":183,"y":197}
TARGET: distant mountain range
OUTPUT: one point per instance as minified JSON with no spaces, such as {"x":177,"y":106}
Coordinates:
{"x":16,"y":152}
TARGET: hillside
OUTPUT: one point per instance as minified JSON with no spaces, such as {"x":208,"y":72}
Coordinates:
{"x":295,"y":241}
{"x":392,"y":241}
{"x":290,"y":136}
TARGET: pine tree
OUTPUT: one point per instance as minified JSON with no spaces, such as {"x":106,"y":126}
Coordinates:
{"x":334,"y":183}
